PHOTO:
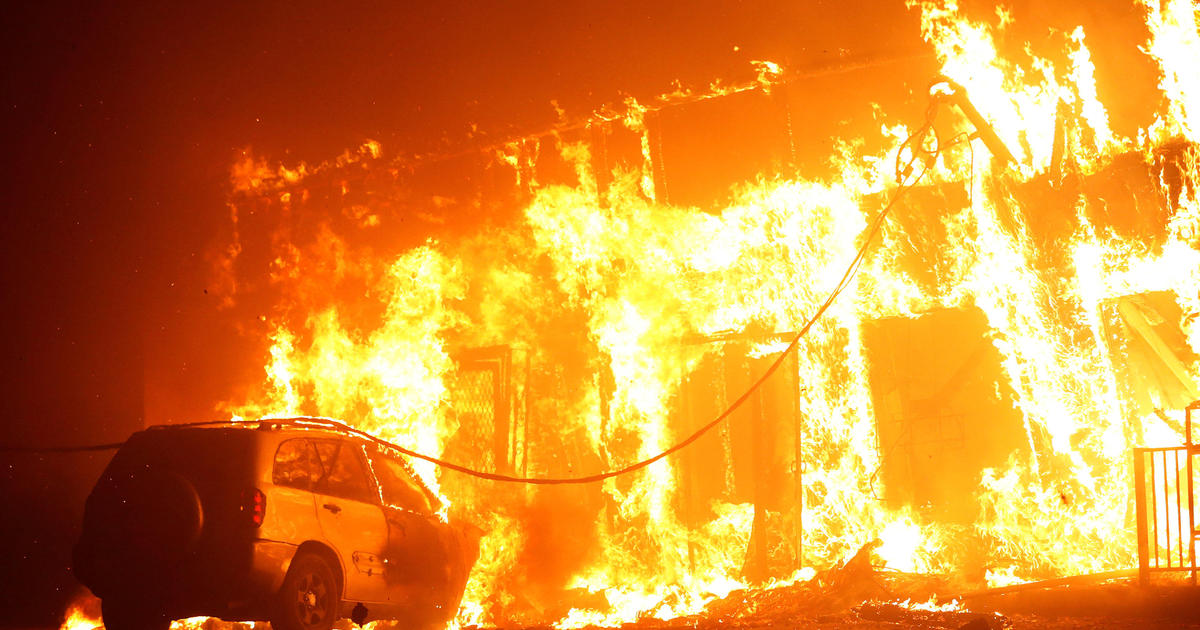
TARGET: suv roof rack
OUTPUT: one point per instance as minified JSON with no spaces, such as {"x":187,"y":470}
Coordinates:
{"x":206,"y":423}
{"x":267,"y":422}
{"x":307,"y":421}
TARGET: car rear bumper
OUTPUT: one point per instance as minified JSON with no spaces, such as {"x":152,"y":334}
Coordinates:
{"x":235,"y":581}
{"x":243,"y":593}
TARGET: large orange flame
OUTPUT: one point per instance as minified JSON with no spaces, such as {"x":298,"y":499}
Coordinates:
{"x":604,"y":272}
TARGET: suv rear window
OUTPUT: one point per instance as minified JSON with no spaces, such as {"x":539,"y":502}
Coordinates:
{"x":296,"y":464}
{"x":343,"y":474}
{"x":396,"y":486}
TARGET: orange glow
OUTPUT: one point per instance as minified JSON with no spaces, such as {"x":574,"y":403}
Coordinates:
{"x":603,"y":276}
{"x":82,"y":614}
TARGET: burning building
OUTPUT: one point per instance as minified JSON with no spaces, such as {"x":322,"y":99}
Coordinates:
{"x":579,"y":299}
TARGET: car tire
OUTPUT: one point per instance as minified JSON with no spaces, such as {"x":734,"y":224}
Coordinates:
{"x":125,"y":613}
{"x":309,"y":598}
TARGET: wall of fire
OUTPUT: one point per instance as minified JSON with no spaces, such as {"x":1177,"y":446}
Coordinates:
{"x":943,"y":408}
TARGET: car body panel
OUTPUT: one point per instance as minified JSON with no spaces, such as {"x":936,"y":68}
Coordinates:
{"x":233,"y":567}
{"x":291,"y":510}
{"x":358,"y":533}
{"x":291,"y":515}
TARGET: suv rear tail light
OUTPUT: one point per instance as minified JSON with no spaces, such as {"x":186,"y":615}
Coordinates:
{"x":253,"y":505}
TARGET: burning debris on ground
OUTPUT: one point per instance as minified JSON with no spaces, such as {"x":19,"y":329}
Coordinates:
{"x":861,"y":382}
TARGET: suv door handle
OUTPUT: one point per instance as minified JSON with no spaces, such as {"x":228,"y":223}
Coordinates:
{"x":332,"y":507}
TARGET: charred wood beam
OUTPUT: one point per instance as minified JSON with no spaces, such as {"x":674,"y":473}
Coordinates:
{"x":910,"y":617}
{"x":1090,"y":578}
{"x":798,"y":472}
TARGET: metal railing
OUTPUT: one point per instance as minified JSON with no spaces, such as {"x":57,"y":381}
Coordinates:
{"x":480,"y":394}
{"x":1164,"y":494}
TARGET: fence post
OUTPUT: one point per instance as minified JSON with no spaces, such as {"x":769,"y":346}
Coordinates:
{"x":1139,"y":497}
{"x":1191,"y":492}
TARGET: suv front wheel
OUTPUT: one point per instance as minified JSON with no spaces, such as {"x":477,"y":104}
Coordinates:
{"x":308,"y":599}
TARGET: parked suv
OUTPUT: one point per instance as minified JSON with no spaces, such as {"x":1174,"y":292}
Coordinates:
{"x":297,"y":521}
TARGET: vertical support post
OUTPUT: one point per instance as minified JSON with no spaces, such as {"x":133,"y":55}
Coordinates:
{"x":1153,"y":485}
{"x":500,"y":388}
{"x":658,"y":167}
{"x":1139,"y":499}
{"x":600,"y":131}
{"x":798,"y":473}
{"x":1179,"y":508}
{"x":514,"y":414}
{"x":780,"y":93}
{"x":759,"y":528}
{"x":528,"y":416}
{"x":1191,"y":496}
{"x":686,"y":467}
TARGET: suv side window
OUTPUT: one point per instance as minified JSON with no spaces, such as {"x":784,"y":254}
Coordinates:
{"x":343,"y":474}
{"x":296,"y":464}
{"x":396,"y":486}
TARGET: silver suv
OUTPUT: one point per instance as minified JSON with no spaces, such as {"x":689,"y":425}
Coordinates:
{"x":297,"y":521}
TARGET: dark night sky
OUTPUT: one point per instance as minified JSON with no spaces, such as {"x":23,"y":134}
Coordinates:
{"x":121,"y":121}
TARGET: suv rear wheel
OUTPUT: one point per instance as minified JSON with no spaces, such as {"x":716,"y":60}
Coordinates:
{"x":309,"y":598}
